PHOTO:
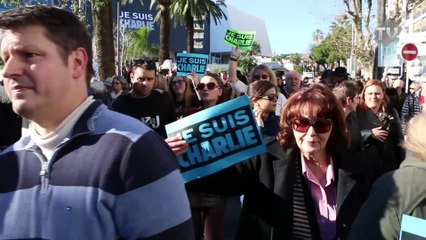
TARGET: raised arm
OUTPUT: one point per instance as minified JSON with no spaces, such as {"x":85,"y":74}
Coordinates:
{"x":237,"y":86}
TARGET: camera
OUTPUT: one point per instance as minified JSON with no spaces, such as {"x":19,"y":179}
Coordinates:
{"x":386,"y":121}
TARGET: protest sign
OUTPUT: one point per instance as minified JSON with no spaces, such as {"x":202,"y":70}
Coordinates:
{"x":191,"y":62}
{"x":412,"y":228}
{"x":236,"y":38}
{"x":218,"y":137}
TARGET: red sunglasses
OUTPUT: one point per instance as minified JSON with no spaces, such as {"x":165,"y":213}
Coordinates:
{"x":322,"y":125}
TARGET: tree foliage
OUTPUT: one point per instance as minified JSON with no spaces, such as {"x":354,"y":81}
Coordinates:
{"x":187,"y":11}
{"x":336,"y":46}
{"x":139,"y":45}
{"x":296,"y":59}
{"x":320,"y":53}
{"x":318,"y":36}
{"x":247,"y":61}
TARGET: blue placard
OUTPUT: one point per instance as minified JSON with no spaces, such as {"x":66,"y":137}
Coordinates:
{"x":191,"y":62}
{"x":412,"y":228}
{"x":218,"y":137}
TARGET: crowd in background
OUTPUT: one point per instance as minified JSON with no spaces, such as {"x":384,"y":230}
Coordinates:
{"x":328,"y":138}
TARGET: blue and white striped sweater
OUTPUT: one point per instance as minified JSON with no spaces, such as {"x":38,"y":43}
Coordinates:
{"x":114,"y":179}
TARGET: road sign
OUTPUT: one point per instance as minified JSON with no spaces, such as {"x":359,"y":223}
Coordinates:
{"x":409,"y":52}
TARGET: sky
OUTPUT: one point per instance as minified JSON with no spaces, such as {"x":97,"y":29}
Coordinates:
{"x":291,"y":23}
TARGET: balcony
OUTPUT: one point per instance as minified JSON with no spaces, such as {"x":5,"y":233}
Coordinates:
{"x":199,"y":35}
{"x":198,"y":26}
{"x":198,"y":45}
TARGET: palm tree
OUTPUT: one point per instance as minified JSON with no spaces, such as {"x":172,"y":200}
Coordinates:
{"x":317,"y":36}
{"x":163,"y":16}
{"x":139,"y":45}
{"x":103,"y":37}
{"x":188,"y":10}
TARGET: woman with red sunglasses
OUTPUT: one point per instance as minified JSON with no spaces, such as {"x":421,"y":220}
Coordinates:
{"x":309,"y":184}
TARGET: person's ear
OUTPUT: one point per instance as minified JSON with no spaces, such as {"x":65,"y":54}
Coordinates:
{"x":220,"y":91}
{"x":254,"y":100}
{"x":131,"y":76}
{"x":78,"y":60}
{"x":348,"y":101}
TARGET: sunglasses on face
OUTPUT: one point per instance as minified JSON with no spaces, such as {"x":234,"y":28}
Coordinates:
{"x":270,"y":97}
{"x":262,"y":76}
{"x":210,"y":86}
{"x":177,"y":82}
{"x":116,"y":83}
{"x":321,"y":125}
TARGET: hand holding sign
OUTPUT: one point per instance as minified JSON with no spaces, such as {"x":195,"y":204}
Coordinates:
{"x":235,"y":38}
{"x":195,"y":80}
{"x":236,"y":52}
{"x":218,"y":137}
{"x":177,"y":144}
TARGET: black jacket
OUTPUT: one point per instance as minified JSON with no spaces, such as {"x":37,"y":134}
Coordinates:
{"x":267,"y":182}
{"x":384,"y":156}
{"x":10,"y":125}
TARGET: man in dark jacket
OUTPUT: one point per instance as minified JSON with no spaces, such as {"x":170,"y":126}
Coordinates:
{"x":10,"y":122}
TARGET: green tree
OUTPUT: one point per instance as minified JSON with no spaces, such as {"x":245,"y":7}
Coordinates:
{"x":295,"y":59}
{"x":247,"y":61}
{"x":318,"y":37}
{"x":139,"y":45}
{"x":339,"y":40}
{"x":186,"y":11}
{"x":320,"y":53}
{"x":298,"y":69}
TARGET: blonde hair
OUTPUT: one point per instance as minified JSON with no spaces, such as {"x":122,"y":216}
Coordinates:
{"x":265,"y":68}
{"x":416,"y":140}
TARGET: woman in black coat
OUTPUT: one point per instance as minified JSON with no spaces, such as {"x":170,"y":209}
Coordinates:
{"x":381,"y":129}
{"x":308,"y":185}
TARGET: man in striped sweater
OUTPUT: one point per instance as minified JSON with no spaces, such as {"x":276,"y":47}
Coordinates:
{"x":413,"y":105}
{"x":84,"y":172}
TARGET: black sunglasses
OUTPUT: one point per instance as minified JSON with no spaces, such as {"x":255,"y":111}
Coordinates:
{"x":263,"y":77}
{"x":177,"y":82}
{"x":270,"y":97}
{"x":210,"y":86}
{"x":322,"y":125}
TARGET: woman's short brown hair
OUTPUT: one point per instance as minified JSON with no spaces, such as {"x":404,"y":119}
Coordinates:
{"x":320,"y":102}
{"x":259,"y":88}
{"x":369,"y":83}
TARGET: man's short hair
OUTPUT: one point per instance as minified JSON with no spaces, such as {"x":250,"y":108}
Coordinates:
{"x":147,"y":65}
{"x":345,"y":89}
{"x":61,"y":27}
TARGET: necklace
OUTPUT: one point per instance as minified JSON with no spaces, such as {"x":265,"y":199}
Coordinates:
{"x":316,"y":163}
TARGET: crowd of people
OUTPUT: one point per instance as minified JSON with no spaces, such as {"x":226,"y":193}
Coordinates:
{"x":97,"y":163}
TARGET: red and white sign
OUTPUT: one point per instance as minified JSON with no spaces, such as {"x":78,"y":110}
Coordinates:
{"x":409,"y":52}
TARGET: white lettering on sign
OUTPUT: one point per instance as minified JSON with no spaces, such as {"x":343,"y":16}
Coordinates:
{"x":136,"y":20}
